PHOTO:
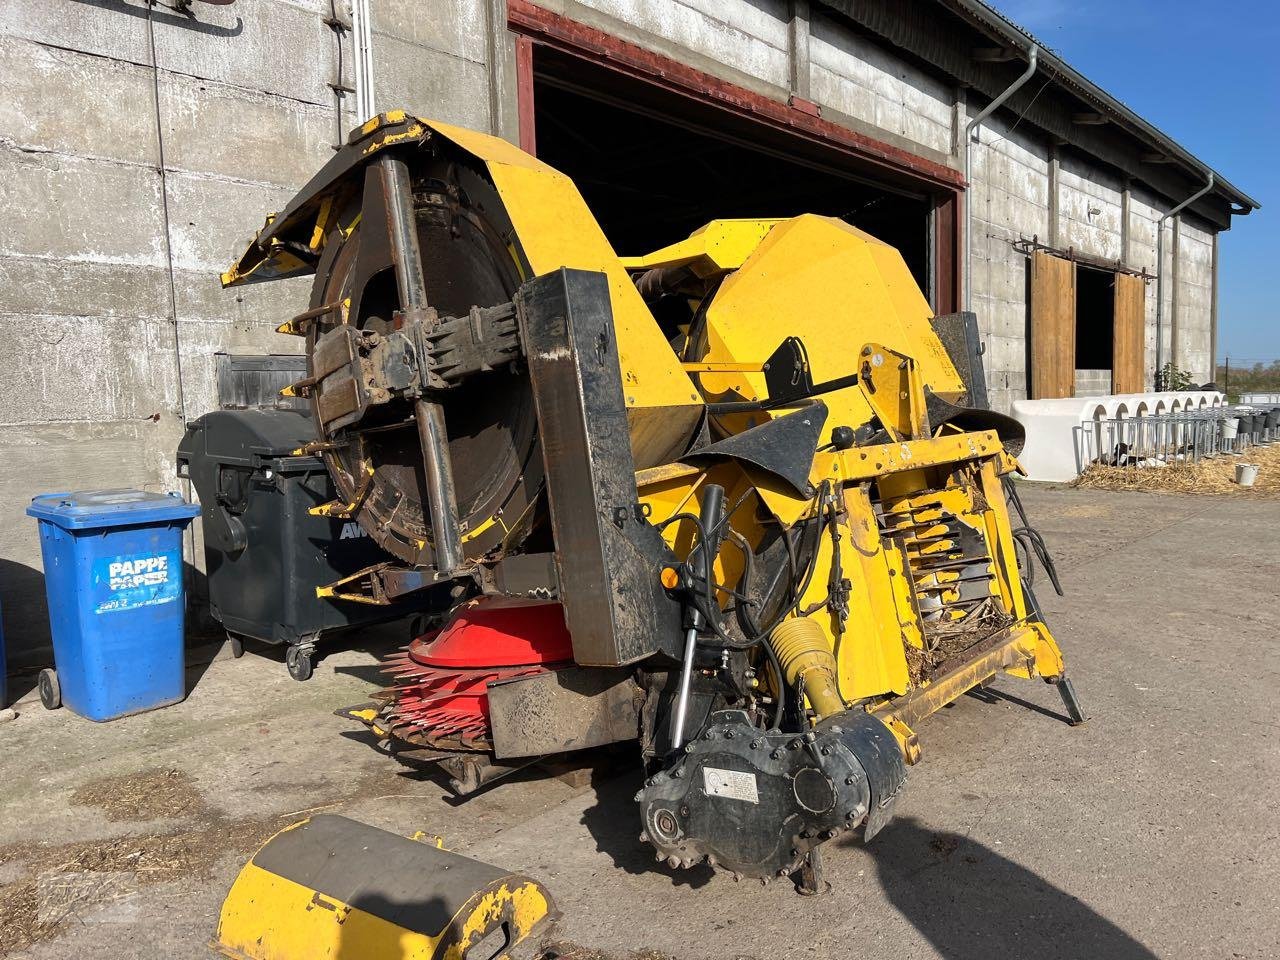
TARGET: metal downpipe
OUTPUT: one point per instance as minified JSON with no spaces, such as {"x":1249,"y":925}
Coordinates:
{"x":970,"y":132}
{"x":1160,"y":276}
{"x":362,"y":42}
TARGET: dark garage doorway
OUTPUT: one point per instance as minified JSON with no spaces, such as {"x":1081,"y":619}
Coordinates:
{"x":1095,"y":330}
{"x":654,"y":167}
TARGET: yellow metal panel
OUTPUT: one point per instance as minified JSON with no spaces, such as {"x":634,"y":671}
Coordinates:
{"x":829,"y":284}
{"x":913,"y":312}
{"x":868,"y":463}
{"x":871,"y":656}
{"x":999,"y":536}
{"x":556,"y":229}
{"x":719,"y":246}
{"x":269,"y":917}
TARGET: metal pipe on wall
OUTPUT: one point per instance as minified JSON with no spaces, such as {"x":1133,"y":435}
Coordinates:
{"x":362,"y":35}
{"x":1160,"y":277}
{"x":970,"y":132}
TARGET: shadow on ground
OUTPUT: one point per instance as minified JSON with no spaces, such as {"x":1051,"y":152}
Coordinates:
{"x":972,"y":903}
{"x":614,"y":823}
{"x":25,"y":623}
{"x":993,"y":695}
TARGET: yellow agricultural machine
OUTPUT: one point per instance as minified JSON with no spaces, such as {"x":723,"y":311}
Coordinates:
{"x":732,"y":499}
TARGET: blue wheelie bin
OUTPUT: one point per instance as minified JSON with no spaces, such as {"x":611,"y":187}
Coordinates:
{"x":114,"y":578}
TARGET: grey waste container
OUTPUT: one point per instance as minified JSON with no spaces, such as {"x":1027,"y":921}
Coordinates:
{"x":265,"y":553}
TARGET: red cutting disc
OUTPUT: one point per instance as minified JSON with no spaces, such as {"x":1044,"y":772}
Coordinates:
{"x":440,"y":692}
{"x":493,"y":634}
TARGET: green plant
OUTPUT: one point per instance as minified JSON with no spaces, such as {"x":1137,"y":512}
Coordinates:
{"x":1171,"y":378}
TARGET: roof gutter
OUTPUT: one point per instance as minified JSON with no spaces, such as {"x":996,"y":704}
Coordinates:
{"x":971,"y":134}
{"x":1160,"y":385}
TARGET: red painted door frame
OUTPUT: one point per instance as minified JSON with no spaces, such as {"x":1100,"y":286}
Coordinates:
{"x":534,"y":25}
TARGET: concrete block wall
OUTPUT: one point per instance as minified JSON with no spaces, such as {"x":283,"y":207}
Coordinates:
{"x":748,"y":37}
{"x":1089,"y":209}
{"x":433,"y":63}
{"x":1192,"y":349}
{"x":851,"y":75}
{"x":1144,"y":211}
{"x":111,"y":322}
{"x":1008,"y":197}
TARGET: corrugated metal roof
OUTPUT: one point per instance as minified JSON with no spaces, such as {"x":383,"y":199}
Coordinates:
{"x":1003,"y":29}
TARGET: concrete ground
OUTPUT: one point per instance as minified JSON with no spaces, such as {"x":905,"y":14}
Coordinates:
{"x":1152,"y":831}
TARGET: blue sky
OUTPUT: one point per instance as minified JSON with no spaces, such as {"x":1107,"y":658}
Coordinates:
{"x":1207,"y":74}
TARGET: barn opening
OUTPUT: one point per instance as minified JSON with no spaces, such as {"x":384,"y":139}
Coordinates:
{"x":653,"y":166}
{"x":1095,"y":330}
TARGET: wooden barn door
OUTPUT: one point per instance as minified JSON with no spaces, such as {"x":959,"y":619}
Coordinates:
{"x":1128,"y":362}
{"x":1053,"y":326}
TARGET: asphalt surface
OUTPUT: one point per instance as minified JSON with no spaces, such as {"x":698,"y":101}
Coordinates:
{"x":1151,"y":831}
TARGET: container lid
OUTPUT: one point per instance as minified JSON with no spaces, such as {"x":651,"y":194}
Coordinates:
{"x":91,"y":509}
{"x":247,"y":437}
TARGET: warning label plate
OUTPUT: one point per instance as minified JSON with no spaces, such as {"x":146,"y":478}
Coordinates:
{"x":734,"y":784}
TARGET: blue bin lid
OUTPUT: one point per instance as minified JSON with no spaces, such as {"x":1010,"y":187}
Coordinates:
{"x":92,"y":509}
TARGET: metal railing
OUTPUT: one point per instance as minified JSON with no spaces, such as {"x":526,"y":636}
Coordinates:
{"x":1165,"y":438}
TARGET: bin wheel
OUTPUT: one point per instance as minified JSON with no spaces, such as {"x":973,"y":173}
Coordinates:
{"x":50,"y":692}
{"x":237,"y":645}
{"x":298,"y":661}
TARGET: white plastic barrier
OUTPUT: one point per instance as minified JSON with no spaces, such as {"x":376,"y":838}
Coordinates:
{"x":1056,"y":449}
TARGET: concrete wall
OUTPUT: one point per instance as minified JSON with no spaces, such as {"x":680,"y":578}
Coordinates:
{"x":855,"y":79}
{"x":110,"y":321}
{"x":1193,"y":291}
{"x":109,"y":298}
{"x":750,"y":35}
{"x":1008,"y":199}
{"x":1144,"y":211}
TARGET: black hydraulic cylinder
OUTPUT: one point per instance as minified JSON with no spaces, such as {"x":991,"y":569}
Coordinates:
{"x":702,"y":566}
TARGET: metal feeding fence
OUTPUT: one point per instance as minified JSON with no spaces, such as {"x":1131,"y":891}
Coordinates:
{"x":1164,"y":438}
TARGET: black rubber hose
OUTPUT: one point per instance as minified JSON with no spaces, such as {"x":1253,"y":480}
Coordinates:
{"x":812,"y":563}
{"x":1033,"y":541}
{"x":791,"y":598}
{"x":780,"y":705}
